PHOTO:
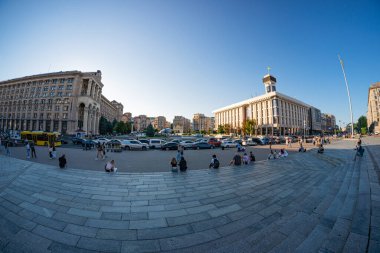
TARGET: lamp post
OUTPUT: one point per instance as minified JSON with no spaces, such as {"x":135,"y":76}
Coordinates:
{"x":304,"y":129}
{"x":349,"y":97}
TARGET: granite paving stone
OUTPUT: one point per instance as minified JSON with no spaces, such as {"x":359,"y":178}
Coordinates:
{"x":307,"y":202}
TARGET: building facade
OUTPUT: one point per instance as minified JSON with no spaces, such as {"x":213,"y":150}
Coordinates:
{"x":67,"y":102}
{"x":274,"y":113}
{"x":202,"y":123}
{"x":140,"y":123}
{"x":159,"y":123}
{"x":127,"y":117}
{"x":111,"y":110}
{"x":373,"y":113}
{"x":328,"y":123}
{"x":181,"y":124}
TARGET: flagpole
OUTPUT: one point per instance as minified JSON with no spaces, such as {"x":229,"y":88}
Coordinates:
{"x":349,"y":97}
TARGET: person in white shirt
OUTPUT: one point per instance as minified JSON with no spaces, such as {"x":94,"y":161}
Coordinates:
{"x":110,"y":166}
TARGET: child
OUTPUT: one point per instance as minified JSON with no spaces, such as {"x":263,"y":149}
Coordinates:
{"x":173,"y":163}
{"x":245,"y":159}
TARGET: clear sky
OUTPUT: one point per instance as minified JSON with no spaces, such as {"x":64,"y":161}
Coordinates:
{"x":182,"y":57}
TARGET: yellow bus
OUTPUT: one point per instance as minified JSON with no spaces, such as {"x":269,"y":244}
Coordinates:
{"x":42,"y":138}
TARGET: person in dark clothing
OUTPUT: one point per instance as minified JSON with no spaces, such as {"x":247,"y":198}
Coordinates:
{"x":182,"y":164}
{"x":62,"y":161}
{"x":33,"y":149}
{"x":236,"y":160}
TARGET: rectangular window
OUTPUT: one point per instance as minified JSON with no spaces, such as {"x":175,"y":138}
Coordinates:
{"x":69,"y":87}
{"x":56,"y":115}
{"x":40,"y":82}
{"x":57,"y":108}
{"x":66,"y":108}
{"x":68,"y":94}
{"x":60,"y":87}
{"x":48,"y":115}
{"x":52,"y":94}
{"x":34,"y":83}
{"x":46,"y":88}
{"x":62,"y":80}
{"x":70,"y":80}
{"x":34,"y":115}
{"x":47,"y":81}
{"x":41,"y":115}
{"x":52,"y":88}
{"x":64,"y":116}
{"x":55,"y":81}
{"x":59,"y":94}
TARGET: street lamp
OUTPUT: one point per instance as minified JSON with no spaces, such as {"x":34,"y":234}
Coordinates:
{"x":349,"y":97}
{"x":304,"y":128}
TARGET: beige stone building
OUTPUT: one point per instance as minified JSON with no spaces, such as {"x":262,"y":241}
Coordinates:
{"x":111,"y":110}
{"x":203,"y":123}
{"x":373,"y":113}
{"x":127,"y":117}
{"x":140,"y":123}
{"x":159,"y":122}
{"x":274,"y":113}
{"x":181,"y":124}
{"x":67,"y":102}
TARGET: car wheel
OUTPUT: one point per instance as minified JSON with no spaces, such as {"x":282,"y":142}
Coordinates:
{"x":143,"y":148}
{"x":128,"y":148}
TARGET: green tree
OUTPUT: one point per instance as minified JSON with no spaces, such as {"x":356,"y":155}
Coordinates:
{"x":249,"y":126}
{"x":363,"y":130}
{"x":103,"y":123}
{"x":221,"y":129}
{"x":150,"y":131}
{"x":120,"y":128}
{"x":362,"y":122}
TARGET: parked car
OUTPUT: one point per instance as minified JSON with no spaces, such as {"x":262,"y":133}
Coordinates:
{"x":101,"y":140}
{"x":76,"y":140}
{"x":215,"y":142}
{"x":229,"y":144}
{"x":186,"y":144}
{"x":252,"y":142}
{"x":201,"y":140}
{"x":88,"y":143}
{"x":144,"y":141}
{"x":133,"y":145}
{"x":238,"y":141}
{"x":170,"y":146}
{"x":176,"y":140}
{"x":202,"y":145}
{"x":265,"y":140}
{"x":156,"y":143}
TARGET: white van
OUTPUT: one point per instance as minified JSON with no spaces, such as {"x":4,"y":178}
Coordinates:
{"x":156,"y":143}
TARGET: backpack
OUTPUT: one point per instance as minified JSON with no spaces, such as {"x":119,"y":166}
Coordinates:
{"x":216,"y":163}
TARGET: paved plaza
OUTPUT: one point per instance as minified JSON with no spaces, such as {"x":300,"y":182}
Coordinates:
{"x":145,"y":161}
{"x":307,"y":202}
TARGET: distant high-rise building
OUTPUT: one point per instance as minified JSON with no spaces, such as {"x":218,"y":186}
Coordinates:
{"x":141,"y":122}
{"x":328,"y":122}
{"x":181,"y":124}
{"x":159,"y":122}
{"x":127,"y":117}
{"x":373,"y":113}
{"x":203,"y":123}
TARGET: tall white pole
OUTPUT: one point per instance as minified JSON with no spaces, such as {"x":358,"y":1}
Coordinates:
{"x":349,"y":97}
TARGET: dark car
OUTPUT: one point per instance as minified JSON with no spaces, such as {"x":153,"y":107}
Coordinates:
{"x":170,"y":146}
{"x":144,"y":141}
{"x":215,"y":142}
{"x":86,"y":143}
{"x":257,"y":141}
{"x":202,"y":145}
{"x":77,"y":140}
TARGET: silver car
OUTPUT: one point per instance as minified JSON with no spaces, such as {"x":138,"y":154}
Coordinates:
{"x":133,"y":145}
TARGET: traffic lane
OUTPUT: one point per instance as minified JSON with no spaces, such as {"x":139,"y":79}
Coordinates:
{"x":143,"y":161}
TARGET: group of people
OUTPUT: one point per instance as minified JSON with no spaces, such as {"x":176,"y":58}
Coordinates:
{"x":178,"y":161}
{"x":276,"y":155}
{"x":238,"y":160}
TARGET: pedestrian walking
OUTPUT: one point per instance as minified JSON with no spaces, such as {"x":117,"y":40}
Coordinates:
{"x":6,"y":146}
{"x":214,"y":162}
{"x":178,"y":157}
{"x":33,"y":149}
{"x":27,"y":146}
{"x":50,"y":152}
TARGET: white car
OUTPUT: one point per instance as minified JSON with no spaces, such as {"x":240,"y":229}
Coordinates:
{"x":229,"y":144}
{"x":133,"y":145}
{"x":186,"y":144}
{"x":101,"y":140}
{"x":156,"y":143}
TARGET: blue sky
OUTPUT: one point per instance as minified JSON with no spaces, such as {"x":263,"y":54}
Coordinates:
{"x":183,"y":57}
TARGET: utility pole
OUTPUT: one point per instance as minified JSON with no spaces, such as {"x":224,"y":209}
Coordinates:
{"x":349,"y":97}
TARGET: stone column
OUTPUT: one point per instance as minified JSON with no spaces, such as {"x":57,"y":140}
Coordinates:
{"x":85,"y":119}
